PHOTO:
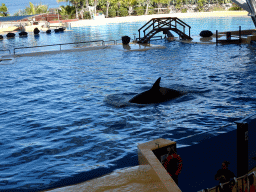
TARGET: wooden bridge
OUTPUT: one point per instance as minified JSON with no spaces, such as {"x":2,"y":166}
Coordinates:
{"x":163,"y":24}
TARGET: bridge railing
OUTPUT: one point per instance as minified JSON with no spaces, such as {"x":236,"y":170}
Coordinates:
{"x":184,"y":25}
{"x":155,"y":23}
{"x":241,"y":184}
{"x":161,"y":23}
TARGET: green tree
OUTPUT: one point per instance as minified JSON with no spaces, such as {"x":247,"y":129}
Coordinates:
{"x":41,"y":9}
{"x":130,"y":4}
{"x":200,"y":4}
{"x":3,"y":10}
{"x":112,"y":12}
{"x":67,"y":11}
{"x":160,"y":3}
{"x":75,"y":3}
{"x":108,"y":3}
{"x":32,"y":9}
{"x":178,"y":4}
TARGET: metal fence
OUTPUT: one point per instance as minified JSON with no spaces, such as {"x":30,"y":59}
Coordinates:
{"x":103,"y":43}
{"x":241,"y":184}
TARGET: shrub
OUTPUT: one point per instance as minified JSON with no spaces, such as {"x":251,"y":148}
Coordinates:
{"x":87,"y":15}
{"x":151,"y":11}
{"x":200,"y":5}
{"x":123,"y":12}
{"x":178,"y":4}
{"x":111,"y":12}
{"x":105,"y":10}
{"x":100,"y":12}
{"x":218,"y":8}
{"x":184,"y":10}
{"x":235,"y":7}
{"x":140,"y":10}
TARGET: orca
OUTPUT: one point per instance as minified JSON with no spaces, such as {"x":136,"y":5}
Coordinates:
{"x":156,"y":94}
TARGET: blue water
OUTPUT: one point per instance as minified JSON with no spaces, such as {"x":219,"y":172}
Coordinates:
{"x":64,"y":118}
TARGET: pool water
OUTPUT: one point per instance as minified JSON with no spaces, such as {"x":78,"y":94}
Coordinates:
{"x":65,"y":118}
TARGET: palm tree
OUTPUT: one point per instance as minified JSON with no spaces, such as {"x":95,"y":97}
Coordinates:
{"x":3,"y":10}
{"x":32,"y":9}
{"x":75,"y":3}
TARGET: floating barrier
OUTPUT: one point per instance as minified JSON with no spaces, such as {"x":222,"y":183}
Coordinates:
{"x":10,"y":35}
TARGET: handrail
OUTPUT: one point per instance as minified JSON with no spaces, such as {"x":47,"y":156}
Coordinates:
{"x":115,"y":41}
{"x":6,"y":50}
{"x":145,"y":24}
{"x":236,"y":182}
{"x":184,"y":23}
{"x":59,"y":45}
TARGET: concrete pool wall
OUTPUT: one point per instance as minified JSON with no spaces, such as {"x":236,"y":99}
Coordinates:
{"x":149,"y":176}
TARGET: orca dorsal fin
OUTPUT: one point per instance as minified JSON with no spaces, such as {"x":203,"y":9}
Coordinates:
{"x":156,"y":84}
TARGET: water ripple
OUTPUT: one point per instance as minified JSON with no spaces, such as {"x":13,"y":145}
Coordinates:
{"x":66,"y":118}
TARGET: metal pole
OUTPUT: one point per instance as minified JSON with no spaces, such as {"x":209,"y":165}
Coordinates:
{"x":239,"y":34}
{"x":216,"y":37}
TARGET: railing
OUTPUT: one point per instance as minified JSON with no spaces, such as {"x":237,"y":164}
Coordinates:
{"x":158,"y":23}
{"x":6,"y":50}
{"x":227,"y":41}
{"x":248,"y":178}
{"x":102,"y":41}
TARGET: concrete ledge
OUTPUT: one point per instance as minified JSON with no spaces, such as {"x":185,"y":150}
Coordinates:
{"x":139,"y":178}
{"x":147,"y":157}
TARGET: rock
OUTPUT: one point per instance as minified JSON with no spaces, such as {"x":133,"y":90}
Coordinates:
{"x":23,"y":33}
{"x":206,"y":33}
{"x":10,"y":35}
{"x":126,"y":40}
{"x":36,"y":31}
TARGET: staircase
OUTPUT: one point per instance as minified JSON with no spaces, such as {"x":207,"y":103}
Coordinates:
{"x":163,"y":24}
